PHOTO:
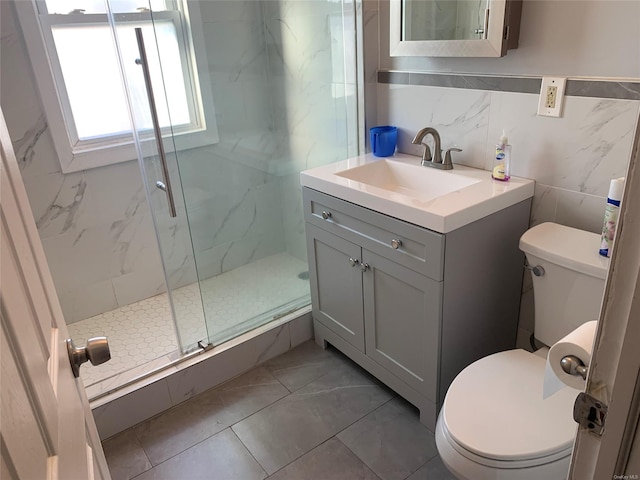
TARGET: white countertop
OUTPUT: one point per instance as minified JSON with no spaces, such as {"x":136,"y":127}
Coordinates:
{"x":443,"y":214}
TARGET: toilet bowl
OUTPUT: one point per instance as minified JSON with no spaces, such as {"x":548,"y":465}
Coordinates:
{"x":494,"y":423}
{"x":513,"y":433}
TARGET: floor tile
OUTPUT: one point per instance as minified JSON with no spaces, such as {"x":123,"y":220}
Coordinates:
{"x":434,"y":469}
{"x":301,"y":421}
{"x":391,"y":441}
{"x":329,"y":461}
{"x":208,"y":413}
{"x":303,"y":365}
{"x":125,"y":456}
{"x":221,"y":457}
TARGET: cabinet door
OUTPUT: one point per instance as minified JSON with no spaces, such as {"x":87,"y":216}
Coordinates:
{"x":336,"y":284}
{"x":402,"y":316}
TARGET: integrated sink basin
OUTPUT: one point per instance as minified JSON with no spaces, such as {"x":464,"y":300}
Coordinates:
{"x":413,"y":181}
{"x":440,"y":200}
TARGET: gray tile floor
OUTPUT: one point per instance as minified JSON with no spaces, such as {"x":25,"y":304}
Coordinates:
{"x":308,"y":414}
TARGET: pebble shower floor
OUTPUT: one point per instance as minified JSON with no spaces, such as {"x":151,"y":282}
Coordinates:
{"x":143,"y":331}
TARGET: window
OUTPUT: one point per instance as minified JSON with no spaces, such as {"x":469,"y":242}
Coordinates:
{"x":73,"y":53}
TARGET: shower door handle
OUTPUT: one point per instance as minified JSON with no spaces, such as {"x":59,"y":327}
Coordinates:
{"x":166,"y":182}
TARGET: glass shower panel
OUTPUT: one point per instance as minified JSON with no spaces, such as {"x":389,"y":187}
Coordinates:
{"x":160,"y":39}
{"x":279,"y":74}
{"x":276,"y":83}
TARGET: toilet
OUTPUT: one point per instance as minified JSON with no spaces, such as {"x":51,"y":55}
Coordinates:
{"x":494,"y":423}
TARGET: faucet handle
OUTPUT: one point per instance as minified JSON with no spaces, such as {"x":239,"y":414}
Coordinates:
{"x":447,"y":155}
{"x":426,"y":154}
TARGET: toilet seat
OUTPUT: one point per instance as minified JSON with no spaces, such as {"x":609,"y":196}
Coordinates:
{"x":494,"y":413}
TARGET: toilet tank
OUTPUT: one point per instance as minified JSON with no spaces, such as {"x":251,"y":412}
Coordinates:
{"x":570,"y":291}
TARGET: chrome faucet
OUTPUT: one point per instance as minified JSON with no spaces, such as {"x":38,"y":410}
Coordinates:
{"x":436,"y":160}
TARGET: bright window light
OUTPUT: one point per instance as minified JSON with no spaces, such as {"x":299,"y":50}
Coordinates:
{"x":91,"y":75}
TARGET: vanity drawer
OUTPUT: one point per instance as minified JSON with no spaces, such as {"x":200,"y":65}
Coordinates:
{"x":419,"y":249}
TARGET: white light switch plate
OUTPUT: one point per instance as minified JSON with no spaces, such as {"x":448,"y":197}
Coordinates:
{"x":551,"y":96}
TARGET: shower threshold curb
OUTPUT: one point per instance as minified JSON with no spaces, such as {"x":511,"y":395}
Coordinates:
{"x":113,"y":388}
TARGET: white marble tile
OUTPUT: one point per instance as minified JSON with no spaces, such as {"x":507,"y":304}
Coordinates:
{"x":244,"y":55}
{"x":257,"y":104}
{"x":292,"y":216}
{"x":579,"y":210}
{"x":23,"y":113}
{"x":121,"y":383}
{"x":460,"y":116}
{"x":138,"y":285}
{"x":61,"y":203}
{"x":545,"y":201}
{"x":87,"y":301}
{"x":131,"y":409}
{"x":295,"y":9}
{"x":370,"y":47}
{"x":309,"y":107}
{"x":228,"y":364}
{"x":34,"y":149}
{"x":120,"y":190}
{"x":79,"y":258}
{"x":230,"y":10}
{"x":580,"y":151}
{"x":302,"y":43}
{"x":301,"y":329}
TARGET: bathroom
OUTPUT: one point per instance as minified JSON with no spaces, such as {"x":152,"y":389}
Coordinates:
{"x":593,"y":141}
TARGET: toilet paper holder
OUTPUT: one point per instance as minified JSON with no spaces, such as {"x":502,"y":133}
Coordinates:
{"x":574,"y":366}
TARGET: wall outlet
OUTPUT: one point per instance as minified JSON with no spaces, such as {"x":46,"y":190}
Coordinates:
{"x":551,"y":95}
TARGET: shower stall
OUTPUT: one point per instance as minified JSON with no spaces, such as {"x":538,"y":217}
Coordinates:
{"x":212,"y":109}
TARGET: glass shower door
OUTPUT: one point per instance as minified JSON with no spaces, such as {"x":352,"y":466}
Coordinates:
{"x":158,"y":104}
{"x":255,"y":92}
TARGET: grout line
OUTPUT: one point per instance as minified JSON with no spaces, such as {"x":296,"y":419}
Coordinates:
{"x":249,"y":451}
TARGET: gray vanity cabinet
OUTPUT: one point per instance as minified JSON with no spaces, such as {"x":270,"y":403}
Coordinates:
{"x":390,"y":296}
{"x":401,"y":312}
{"x":336,"y":291}
{"x":354,"y":290}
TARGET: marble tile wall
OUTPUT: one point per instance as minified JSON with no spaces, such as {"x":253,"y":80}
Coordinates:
{"x":314,"y":95}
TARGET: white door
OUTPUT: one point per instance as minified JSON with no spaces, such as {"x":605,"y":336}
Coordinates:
{"x":47,"y":428}
{"x":614,"y":373}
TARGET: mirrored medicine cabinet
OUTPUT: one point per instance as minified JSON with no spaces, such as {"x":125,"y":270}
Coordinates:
{"x":454,"y":28}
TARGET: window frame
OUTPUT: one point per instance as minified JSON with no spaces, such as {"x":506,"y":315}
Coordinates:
{"x":76,"y":155}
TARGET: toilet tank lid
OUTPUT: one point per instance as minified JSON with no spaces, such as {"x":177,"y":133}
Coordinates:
{"x":566,"y":246}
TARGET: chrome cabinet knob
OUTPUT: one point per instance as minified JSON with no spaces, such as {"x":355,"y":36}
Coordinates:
{"x":353,"y":261}
{"x":326,"y":215}
{"x":395,"y":244}
{"x":96,"y":351}
{"x":364,"y":267}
